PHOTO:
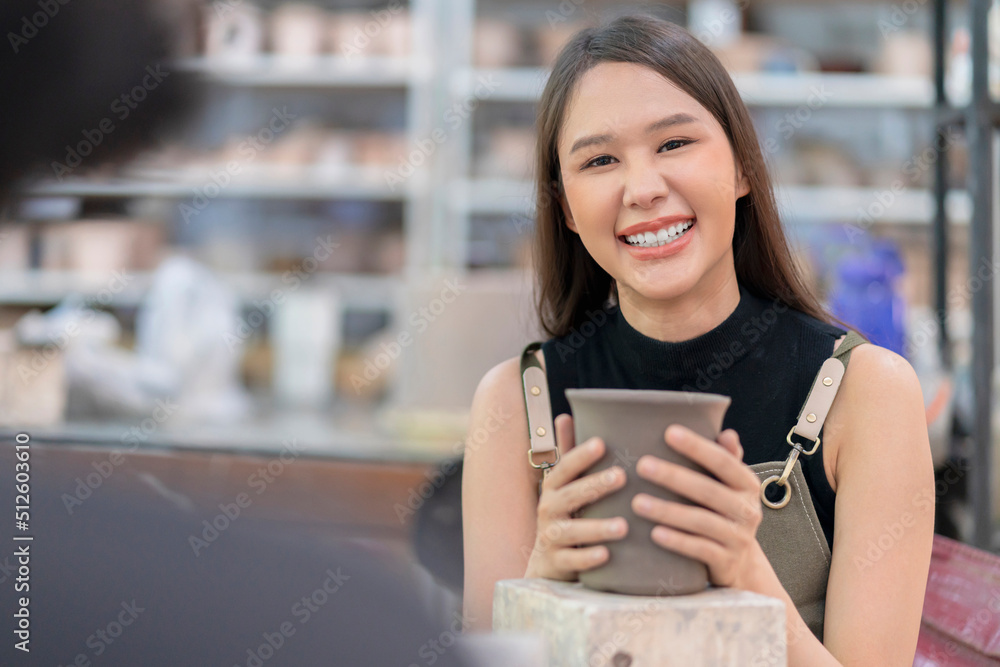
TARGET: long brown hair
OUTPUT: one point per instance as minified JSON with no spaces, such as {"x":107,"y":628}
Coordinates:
{"x":569,"y":282}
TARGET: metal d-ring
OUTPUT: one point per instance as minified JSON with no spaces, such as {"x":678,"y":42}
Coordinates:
{"x":545,"y":466}
{"x":781,"y":503}
{"x":781,"y":479}
{"x":788,"y":439}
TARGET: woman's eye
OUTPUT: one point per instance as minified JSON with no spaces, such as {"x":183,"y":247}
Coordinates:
{"x":604,"y":160}
{"x":599,"y":161}
{"x":678,"y":143}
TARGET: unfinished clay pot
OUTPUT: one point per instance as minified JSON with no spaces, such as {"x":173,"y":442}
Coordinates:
{"x":632,"y":423}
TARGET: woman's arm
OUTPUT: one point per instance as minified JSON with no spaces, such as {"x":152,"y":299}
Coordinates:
{"x":499,"y":491}
{"x":510,"y":532}
{"x":884,"y":524}
{"x":884,"y":517}
{"x":884,"y":513}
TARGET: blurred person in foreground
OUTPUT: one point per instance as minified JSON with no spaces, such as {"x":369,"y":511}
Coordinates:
{"x":115,"y":581}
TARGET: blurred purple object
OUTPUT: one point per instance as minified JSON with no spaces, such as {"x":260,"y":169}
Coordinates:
{"x":866,"y":295}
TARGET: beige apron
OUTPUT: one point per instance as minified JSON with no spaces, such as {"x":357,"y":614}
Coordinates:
{"x":790,"y":533}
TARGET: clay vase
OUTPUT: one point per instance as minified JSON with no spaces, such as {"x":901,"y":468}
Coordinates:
{"x":632,"y":423}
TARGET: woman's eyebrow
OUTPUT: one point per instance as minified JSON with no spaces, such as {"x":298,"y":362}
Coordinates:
{"x":679,"y":118}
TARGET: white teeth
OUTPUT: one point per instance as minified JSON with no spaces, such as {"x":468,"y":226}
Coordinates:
{"x":661,"y":237}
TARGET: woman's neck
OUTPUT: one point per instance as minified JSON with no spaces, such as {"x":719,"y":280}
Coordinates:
{"x":687,"y":316}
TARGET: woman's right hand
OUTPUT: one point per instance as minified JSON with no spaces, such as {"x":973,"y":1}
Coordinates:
{"x":556,"y":554}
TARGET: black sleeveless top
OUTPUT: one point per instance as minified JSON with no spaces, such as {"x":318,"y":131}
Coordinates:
{"x":764,"y":356}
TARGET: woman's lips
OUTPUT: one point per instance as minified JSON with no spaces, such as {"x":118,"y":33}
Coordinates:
{"x":658,"y":252}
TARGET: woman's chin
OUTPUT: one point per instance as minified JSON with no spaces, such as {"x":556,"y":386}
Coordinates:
{"x":650,"y":288}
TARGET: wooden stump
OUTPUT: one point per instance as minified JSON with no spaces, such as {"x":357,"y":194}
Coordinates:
{"x":585,"y":628}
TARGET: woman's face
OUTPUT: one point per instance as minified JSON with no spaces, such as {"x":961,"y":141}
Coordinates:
{"x":641,"y":160}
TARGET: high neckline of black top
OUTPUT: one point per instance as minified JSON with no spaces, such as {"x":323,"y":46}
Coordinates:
{"x":722,"y":346}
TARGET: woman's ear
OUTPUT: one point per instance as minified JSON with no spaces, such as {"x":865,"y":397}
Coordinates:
{"x":742,"y":183}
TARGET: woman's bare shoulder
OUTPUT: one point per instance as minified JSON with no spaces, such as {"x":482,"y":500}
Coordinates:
{"x":498,"y":412}
{"x":497,"y":442}
{"x":879,"y":387}
{"x":502,"y":384}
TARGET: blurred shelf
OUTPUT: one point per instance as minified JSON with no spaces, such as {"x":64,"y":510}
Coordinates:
{"x":915,"y":206}
{"x":366,"y":183}
{"x":320,"y":72}
{"x":813,"y":89}
{"x":807,"y":204}
{"x":493,"y":197}
{"x":514,"y":84}
{"x":41,"y":287}
{"x":834,"y":89}
{"x":263,"y":437}
{"x":341,"y":431}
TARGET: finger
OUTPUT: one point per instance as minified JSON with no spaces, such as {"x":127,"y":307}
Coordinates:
{"x":709,"y":455}
{"x":564,"y":433}
{"x":692,"y":546}
{"x":730,"y":439}
{"x":578,"y":560}
{"x":689,"y":518}
{"x":573,"y":532}
{"x":691,"y":484}
{"x":575,"y":460}
{"x":591,"y":488}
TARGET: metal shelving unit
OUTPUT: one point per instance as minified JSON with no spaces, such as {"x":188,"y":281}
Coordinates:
{"x":938,"y":206}
{"x":979,"y":119}
{"x":466,"y":196}
{"x":358,"y":292}
{"x":410,"y":76}
{"x":803,"y":203}
{"x":352,"y":184}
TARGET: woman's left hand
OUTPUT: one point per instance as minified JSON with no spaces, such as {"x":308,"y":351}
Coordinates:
{"x":720,"y":530}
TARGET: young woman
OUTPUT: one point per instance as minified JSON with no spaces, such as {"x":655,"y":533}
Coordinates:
{"x":656,"y":224}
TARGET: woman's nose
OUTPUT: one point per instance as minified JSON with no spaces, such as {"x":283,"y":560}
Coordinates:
{"x":645,"y":186}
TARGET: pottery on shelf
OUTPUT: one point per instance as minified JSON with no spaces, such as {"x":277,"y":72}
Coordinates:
{"x":632,"y":423}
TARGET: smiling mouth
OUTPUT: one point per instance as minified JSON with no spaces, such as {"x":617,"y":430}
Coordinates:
{"x":663,"y":236}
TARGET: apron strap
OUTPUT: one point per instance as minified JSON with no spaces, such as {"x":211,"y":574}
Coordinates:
{"x":539,"y":410}
{"x":814,"y":412}
{"x":824,"y":390}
